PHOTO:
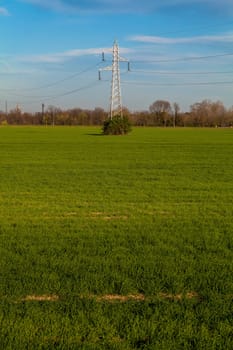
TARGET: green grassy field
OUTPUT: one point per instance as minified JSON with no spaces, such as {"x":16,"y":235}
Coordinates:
{"x":116,"y":242}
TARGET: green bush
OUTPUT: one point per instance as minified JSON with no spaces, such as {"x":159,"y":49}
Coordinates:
{"x":117,"y":126}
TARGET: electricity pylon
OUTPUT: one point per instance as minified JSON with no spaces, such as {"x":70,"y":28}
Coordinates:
{"x":115,"y":99}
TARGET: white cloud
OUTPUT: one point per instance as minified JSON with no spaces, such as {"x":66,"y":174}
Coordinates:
{"x":226,"y":38}
{"x":4,"y":11}
{"x":68,"y":55}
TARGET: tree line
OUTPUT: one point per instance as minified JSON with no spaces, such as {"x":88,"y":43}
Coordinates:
{"x":160,"y":113}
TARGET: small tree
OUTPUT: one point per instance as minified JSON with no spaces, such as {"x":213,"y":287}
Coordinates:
{"x":161,"y":111}
{"x":117,"y":126}
{"x":176,"y":113}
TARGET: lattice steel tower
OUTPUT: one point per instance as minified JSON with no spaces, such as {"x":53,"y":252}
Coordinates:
{"x":115,"y":99}
{"x":115,"y":102}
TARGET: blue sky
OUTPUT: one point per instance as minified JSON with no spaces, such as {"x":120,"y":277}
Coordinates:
{"x":179,"y":50}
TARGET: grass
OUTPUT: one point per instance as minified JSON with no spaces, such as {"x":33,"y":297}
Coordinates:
{"x":116,"y":242}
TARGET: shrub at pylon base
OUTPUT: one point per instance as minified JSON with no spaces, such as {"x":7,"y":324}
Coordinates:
{"x":117,"y":126}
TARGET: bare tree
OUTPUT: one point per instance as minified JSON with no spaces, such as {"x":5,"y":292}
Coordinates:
{"x":52,"y":112}
{"x":161,"y":109}
{"x":160,"y":106}
{"x":208,"y":113}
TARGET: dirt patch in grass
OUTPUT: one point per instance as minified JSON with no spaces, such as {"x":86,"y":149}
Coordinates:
{"x":105,"y":216}
{"x":180,"y":296}
{"x":170,"y":296}
{"x":96,"y":214}
{"x":192,"y":295}
{"x":115,"y":217}
{"x":111,"y":298}
{"x":44,"y":297}
{"x":120,"y":298}
{"x":142,"y":297}
{"x":71,"y":213}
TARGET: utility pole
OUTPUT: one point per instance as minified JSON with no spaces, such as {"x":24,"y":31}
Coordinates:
{"x":6,"y":108}
{"x":115,"y":99}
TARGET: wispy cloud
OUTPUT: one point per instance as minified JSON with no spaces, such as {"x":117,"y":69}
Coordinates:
{"x":212,"y":4}
{"x":61,"y":57}
{"x":55,"y":5}
{"x":226,"y":38}
{"x":15,"y":71}
{"x":123,"y":6}
{"x":91,"y":6}
{"x":4,"y":12}
{"x":9,"y":68}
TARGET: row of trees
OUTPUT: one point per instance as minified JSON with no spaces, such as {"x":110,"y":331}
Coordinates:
{"x":205,"y":113}
{"x":55,"y":116}
{"x":160,"y":113}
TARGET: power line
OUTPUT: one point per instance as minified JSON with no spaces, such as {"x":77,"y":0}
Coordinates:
{"x":178,"y":73}
{"x":177,"y":84}
{"x":67,"y":78}
{"x":38,"y":98}
{"x":78,"y":89}
{"x":56,"y":82}
{"x":184,"y":58}
{"x":50,"y":98}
